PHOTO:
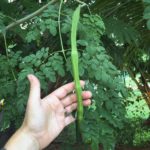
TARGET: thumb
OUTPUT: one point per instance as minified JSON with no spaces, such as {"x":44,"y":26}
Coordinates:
{"x":35,"y":93}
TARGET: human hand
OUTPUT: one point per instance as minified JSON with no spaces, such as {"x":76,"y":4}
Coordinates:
{"x":45,"y":118}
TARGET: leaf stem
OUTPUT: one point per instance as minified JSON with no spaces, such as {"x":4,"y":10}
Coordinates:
{"x":84,"y":4}
{"x":6,"y":49}
{"x":60,"y":35}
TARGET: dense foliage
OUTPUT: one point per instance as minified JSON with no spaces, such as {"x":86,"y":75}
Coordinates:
{"x":104,"y":39}
{"x":127,"y":38}
{"x":38,"y":51}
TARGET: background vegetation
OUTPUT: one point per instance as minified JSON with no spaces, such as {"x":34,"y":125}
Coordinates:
{"x":113,"y":42}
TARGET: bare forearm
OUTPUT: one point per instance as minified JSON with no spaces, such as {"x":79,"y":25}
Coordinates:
{"x":22,"y":140}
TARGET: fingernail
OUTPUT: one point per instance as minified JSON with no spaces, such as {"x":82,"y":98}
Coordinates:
{"x":90,"y":93}
{"x":29,"y":77}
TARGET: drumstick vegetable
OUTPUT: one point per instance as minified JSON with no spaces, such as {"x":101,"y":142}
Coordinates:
{"x":75,"y":67}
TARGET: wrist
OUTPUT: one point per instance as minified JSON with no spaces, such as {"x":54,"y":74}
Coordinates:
{"x":23,"y":140}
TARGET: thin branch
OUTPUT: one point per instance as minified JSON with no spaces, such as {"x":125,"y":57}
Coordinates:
{"x":138,"y":85}
{"x":80,"y":2}
{"x":59,"y":27}
{"x":6,"y":49}
{"x":84,"y":4}
{"x":30,"y":16}
{"x":10,"y":18}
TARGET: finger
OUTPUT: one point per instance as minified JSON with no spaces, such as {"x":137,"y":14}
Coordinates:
{"x":69,"y":120}
{"x":72,"y":98}
{"x":65,"y":90}
{"x":34,"y":95}
{"x":73,"y":106}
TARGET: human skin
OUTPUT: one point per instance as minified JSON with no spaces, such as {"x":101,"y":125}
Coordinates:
{"x":45,"y":118}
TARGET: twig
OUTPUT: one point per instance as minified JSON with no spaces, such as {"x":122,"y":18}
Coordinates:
{"x":6,"y":48}
{"x":60,"y":35}
{"x":84,"y":4}
{"x":30,"y":16}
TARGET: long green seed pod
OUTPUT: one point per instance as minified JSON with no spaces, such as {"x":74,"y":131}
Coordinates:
{"x":75,"y":67}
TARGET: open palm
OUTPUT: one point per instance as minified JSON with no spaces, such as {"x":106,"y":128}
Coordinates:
{"x":46,"y":118}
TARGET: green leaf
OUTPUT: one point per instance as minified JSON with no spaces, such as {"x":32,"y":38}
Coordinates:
{"x":109,"y":105}
{"x":95,"y":145}
{"x":53,"y":30}
{"x":91,"y":49}
{"x":38,"y":63}
{"x":61,"y":72}
{"x":147,"y":13}
{"x":23,"y":74}
{"x":32,"y":35}
{"x":50,"y":74}
{"x":82,"y":42}
{"x":66,"y":27}
{"x":148,"y":24}
{"x":147,"y":1}
{"x":29,"y":58}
